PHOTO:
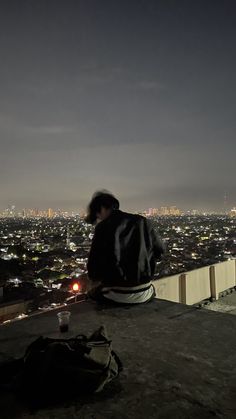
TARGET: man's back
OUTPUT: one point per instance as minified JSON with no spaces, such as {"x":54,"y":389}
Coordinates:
{"x":124,"y":250}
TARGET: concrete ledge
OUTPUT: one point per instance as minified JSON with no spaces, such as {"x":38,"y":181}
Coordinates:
{"x":10,"y":309}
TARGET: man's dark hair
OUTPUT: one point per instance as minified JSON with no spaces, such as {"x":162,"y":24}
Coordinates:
{"x":100,"y":199}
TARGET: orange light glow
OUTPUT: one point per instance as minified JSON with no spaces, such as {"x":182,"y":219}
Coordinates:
{"x":75,"y":286}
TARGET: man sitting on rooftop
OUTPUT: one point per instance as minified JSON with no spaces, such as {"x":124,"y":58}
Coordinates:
{"x":123,"y":254}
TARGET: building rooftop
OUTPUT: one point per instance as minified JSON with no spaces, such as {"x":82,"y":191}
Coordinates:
{"x":179,"y":361}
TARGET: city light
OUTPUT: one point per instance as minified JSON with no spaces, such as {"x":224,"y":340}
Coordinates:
{"x":49,"y":255}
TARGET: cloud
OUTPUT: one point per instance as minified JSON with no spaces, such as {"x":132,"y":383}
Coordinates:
{"x":51,"y":129}
{"x":150,"y":85}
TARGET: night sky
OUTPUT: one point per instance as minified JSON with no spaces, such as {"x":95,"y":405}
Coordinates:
{"x":137,"y":97}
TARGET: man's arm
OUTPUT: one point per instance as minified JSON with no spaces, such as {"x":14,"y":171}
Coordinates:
{"x":158,"y":247}
{"x":157,"y":244}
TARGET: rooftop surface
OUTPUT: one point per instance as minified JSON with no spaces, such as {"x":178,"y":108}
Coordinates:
{"x":179,"y":361}
{"x":226,"y":304}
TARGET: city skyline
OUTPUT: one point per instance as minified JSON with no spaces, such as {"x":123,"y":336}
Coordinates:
{"x":224,"y":207}
{"x":162,"y":210}
{"x":135,"y":97}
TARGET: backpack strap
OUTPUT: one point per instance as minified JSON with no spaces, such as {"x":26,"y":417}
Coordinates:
{"x":118,"y":361}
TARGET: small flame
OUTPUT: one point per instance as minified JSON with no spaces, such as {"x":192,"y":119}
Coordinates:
{"x":75,"y":286}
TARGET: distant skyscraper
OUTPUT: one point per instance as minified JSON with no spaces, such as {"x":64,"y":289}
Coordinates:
{"x":155,"y":211}
{"x":50,"y":213}
{"x":68,"y":237}
{"x":233,"y":212}
{"x":174,"y":211}
{"x":225,"y":203}
{"x":10,"y":211}
{"x":164,"y":211}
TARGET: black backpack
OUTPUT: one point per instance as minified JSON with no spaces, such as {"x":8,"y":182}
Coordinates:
{"x":62,"y":368}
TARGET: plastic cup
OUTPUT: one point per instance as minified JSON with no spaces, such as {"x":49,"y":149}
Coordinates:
{"x":64,"y":319}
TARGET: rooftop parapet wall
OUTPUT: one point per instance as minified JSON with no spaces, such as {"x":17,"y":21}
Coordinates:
{"x":168,"y":288}
{"x":200,"y":284}
{"x":11,"y":309}
{"x":223,"y":276}
{"x":195,"y":286}
{"x":188,"y":288}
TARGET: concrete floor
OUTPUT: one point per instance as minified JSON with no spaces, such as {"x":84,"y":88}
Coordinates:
{"x":179,"y":362}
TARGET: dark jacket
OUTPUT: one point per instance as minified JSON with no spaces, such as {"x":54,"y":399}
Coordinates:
{"x":124,"y":250}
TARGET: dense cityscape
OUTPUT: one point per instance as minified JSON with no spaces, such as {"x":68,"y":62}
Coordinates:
{"x":43,"y":255}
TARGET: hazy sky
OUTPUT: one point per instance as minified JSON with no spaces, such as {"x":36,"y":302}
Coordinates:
{"x":137,"y":97}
